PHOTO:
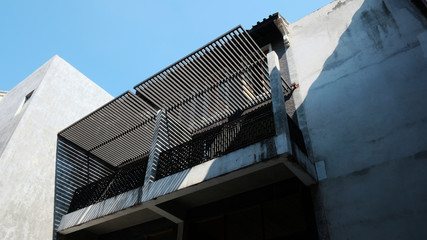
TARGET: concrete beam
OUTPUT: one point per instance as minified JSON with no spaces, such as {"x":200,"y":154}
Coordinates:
{"x":163,"y":213}
{"x":169,"y":216}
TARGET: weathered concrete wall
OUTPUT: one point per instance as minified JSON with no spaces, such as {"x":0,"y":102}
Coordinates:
{"x":62,"y":95}
{"x":362,"y":70}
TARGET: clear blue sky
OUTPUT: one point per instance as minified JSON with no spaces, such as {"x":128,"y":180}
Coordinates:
{"x":120,"y":43}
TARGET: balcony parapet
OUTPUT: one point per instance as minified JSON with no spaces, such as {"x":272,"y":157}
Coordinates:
{"x":263,"y":154}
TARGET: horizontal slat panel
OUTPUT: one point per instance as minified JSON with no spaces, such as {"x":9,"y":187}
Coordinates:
{"x":227,"y":75}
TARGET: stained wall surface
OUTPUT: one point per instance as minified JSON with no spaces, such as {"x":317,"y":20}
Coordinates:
{"x":28,"y":133}
{"x":361,"y":104}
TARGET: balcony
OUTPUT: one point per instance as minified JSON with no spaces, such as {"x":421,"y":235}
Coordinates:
{"x":214,"y":117}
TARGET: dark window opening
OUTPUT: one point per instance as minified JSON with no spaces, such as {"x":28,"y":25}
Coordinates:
{"x":28,"y":96}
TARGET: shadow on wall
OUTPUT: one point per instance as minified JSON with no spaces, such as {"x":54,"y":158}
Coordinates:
{"x":364,"y":80}
{"x":369,"y":94}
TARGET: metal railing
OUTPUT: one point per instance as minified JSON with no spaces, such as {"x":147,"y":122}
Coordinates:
{"x":126,"y":178}
{"x":244,"y":131}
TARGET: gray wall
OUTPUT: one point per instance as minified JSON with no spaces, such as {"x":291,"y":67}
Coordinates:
{"x":362,"y":70}
{"x":61,"y":96}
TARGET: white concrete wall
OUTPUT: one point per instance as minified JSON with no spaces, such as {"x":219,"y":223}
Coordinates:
{"x":13,"y":102}
{"x":2,"y":94}
{"x":362,"y":70}
{"x":27,"y":165}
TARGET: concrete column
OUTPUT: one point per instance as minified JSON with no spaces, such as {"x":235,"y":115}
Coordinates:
{"x":304,"y":169}
{"x":180,"y":233}
{"x":278,"y":101}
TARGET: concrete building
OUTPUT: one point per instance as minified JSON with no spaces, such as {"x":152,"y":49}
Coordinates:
{"x":2,"y":94}
{"x":309,"y":130}
{"x":217,"y":157}
{"x":32,"y":113}
{"x":362,"y":66}
{"x":204,"y":149}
